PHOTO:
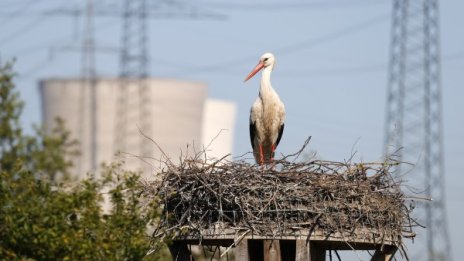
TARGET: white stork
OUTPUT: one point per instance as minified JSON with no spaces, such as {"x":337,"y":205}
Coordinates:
{"x":267,"y":114}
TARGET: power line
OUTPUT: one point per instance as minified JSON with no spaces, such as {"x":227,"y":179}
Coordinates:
{"x":349,"y":70}
{"x":284,"y":50}
{"x":36,"y":22}
{"x":152,"y":12}
{"x":23,"y":30}
{"x":47,"y":61}
{"x":330,"y":71}
{"x":296,"y":46}
{"x":267,"y":6}
{"x":17,"y":13}
{"x":59,"y":41}
{"x":334,"y":35}
{"x":14,"y":4}
{"x":35,"y":68}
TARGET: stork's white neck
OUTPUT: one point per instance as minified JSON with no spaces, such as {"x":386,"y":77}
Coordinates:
{"x":266,"y":87}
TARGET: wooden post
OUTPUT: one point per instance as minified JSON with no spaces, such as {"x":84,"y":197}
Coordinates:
{"x":384,"y":255}
{"x":241,"y":251}
{"x":180,"y":252}
{"x":271,"y":250}
{"x":302,"y":251}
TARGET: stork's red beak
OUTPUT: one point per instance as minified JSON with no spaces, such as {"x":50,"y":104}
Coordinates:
{"x":255,"y":71}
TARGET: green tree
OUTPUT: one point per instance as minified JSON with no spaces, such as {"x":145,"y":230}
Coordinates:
{"x":43,"y":217}
{"x":11,"y":140}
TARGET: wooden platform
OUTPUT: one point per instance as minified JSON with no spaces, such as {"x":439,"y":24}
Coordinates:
{"x":296,"y":246}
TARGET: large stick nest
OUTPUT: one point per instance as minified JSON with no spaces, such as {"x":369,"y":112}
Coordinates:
{"x":354,"y":200}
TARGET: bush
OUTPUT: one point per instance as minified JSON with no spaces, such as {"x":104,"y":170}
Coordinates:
{"x":44,"y":216}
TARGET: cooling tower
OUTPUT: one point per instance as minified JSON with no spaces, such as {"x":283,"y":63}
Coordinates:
{"x":177,"y":111}
{"x":218,"y":128}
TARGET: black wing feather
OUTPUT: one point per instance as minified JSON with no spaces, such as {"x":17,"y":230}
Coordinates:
{"x":252,"y":134}
{"x":281,"y":131}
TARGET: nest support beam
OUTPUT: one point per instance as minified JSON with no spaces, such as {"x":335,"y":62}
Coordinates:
{"x":281,"y":250}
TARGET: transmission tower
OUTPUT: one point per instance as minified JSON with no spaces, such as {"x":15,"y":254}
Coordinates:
{"x":133,"y":103}
{"x":414,"y":117}
{"x":133,"y":89}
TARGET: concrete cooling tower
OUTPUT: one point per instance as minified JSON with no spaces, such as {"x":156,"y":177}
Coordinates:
{"x":180,"y":117}
{"x":218,"y":128}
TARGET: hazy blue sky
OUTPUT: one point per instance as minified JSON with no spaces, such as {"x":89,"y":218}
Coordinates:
{"x":331,"y":70}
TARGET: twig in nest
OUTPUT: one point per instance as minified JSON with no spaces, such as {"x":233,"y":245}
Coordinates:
{"x":168,"y":160}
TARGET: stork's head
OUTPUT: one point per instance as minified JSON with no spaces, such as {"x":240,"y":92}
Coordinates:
{"x":266,"y":60}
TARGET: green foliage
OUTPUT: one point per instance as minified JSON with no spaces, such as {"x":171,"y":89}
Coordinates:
{"x":51,"y":155}
{"x":44,"y":216}
{"x":10,"y":111}
{"x":46,"y":222}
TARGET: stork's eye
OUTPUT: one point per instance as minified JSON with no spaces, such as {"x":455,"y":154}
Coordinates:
{"x":265,"y":59}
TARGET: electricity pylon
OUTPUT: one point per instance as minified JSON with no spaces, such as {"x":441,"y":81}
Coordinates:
{"x":134,"y":60}
{"x":134,"y":104}
{"x":414,"y":117}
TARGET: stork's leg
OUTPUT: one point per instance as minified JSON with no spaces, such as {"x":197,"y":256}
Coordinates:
{"x":273,"y":152}
{"x":272,"y":156}
{"x":261,"y":154}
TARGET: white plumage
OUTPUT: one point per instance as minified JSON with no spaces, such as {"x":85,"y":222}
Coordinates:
{"x":267,"y":114}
